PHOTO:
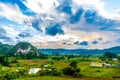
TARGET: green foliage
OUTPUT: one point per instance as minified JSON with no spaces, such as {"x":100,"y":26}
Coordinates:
{"x":4,"y":60}
{"x":50,"y":69}
{"x":23,"y":45}
{"x":73,"y":64}
{"x":119,"y":58}
{"x":10,"y":75}
{"x":58,"y":57}
{"x":11,"y":51}
{"x":14,"y":60}
{"x":110,"y":55}
{"x":43,"y":56}
{"x":72,"y":70}
{"x":4,"y":50}
{"x":102,"y":58}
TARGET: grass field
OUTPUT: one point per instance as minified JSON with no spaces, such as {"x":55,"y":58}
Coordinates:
{"x":62,"y":78}
{"x":87,"y":72}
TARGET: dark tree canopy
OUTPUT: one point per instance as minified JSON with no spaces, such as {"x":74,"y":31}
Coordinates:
{"x":4,"y":60}
{"x":110,"y":55}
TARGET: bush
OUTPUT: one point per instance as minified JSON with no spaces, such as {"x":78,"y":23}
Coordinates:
{"x":50,"y":69}
{"x":4,"y":60}
{"x":72,"y":70}
{"x":73,"y":64}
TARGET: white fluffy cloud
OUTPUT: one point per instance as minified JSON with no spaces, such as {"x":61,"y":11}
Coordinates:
{"x":12,"y":12}
{"x":40,"y":6}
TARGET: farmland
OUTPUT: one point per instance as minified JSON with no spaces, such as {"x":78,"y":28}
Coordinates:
{"x":86,"y":71}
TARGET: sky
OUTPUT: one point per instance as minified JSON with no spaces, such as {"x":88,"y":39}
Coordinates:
{"x":70,"y":24}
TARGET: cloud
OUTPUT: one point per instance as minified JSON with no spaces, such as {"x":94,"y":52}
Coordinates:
{"x":3,"y":35}
{"x":62,"y":22}
{"x":100,"y":39}
{"x":54,"y":30}
{"x":118,"y":40}
{"x":24,"y":35}
{"x":65,"y":7}
{"x":94,"y":42}
{"x":11,"y":12}
{"x":75,"y":18}
{"x":84,"y":43}
{"x":36,"y":24}
{"x":77,"y":42}
{"x":40,"y":6}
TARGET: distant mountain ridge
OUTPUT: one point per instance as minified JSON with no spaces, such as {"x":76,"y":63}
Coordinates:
{"x":23,"y":48}
{"x":115,"y":49}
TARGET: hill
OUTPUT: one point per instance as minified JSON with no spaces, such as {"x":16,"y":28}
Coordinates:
{"x":24,"y":49}
{"x":80,"y":51}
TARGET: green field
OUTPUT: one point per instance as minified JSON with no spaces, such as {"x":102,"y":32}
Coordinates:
{"x":62,"y":78}
{"x":87,"y":72}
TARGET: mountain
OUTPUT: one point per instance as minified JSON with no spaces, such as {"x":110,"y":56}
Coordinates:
{"x":115,"y":49}
{"x":24,"y":49}
{"x":80,"y":51}
{"x":4,"y":48}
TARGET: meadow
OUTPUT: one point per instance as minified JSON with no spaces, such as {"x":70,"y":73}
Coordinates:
{"x":87,"y":72}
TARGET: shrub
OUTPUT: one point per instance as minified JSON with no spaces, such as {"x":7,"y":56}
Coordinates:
{"x":50,"y":69}
{"x":72,"y":70}
{"x":75,"y":72}
{"x":4,"y":60}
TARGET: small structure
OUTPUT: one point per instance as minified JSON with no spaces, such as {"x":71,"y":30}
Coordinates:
{"x":97,"y":64}
{"x":34,"y":70}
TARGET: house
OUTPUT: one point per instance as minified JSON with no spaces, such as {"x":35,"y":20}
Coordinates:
{"x":97,"y":64}
{"x":34,"y":70}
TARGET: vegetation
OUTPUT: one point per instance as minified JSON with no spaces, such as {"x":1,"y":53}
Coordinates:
{"x":72,"y":70}
{"x":16,"y":65}
{"x":4,"y":60}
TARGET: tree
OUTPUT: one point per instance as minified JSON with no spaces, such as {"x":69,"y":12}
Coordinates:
{"x":102,"y":58}
{"x":118,"y":58}
{"x":4,"y":50}
{"x":72,"y":70}
{"x":110,"y":55}
{"x":4,"y":60}
{"x":73,"y":64}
